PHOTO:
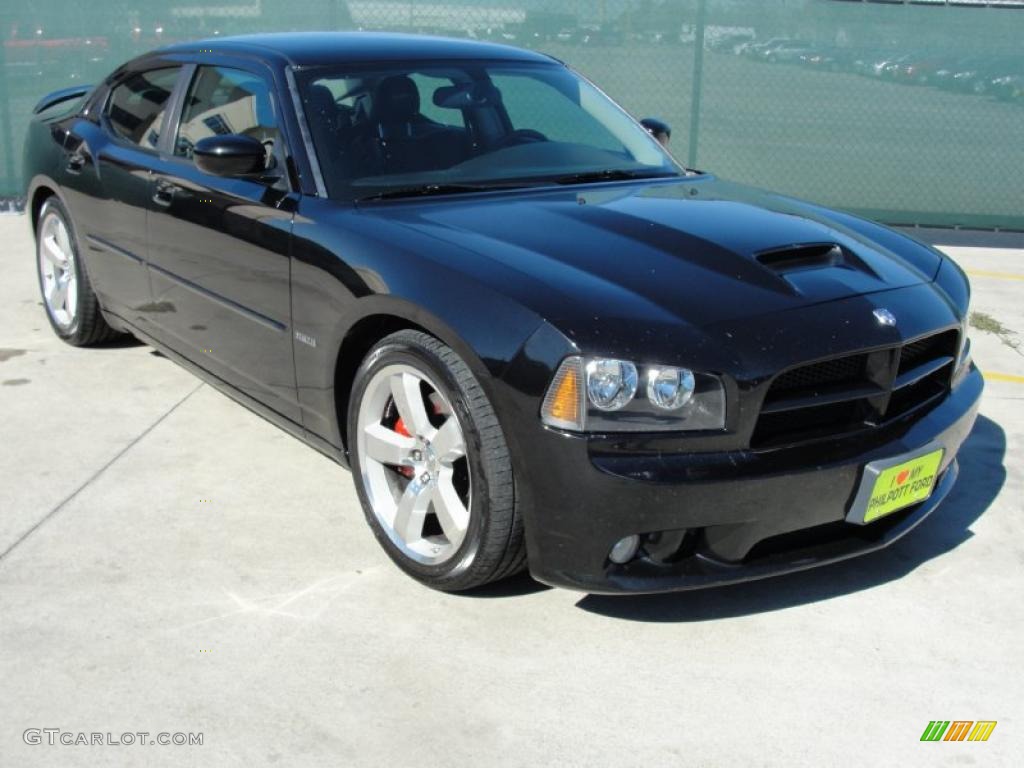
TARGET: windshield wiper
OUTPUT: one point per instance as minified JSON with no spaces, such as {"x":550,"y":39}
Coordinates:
{"x":424,"y":190}
{"x":611,"y":174}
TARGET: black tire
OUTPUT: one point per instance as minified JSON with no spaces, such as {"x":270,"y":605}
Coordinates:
{"x":494,"y":546}
{"x":88,"y":326}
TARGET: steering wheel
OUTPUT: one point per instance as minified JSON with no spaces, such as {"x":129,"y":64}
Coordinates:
{"x":520,"y":136}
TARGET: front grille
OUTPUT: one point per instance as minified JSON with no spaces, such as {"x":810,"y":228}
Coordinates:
{"x":855,"y":392}
{"x":928,"y":348}
{"x":831,"y":372}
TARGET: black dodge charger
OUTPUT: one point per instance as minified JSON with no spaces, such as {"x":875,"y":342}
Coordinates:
{"x":536,"y":339}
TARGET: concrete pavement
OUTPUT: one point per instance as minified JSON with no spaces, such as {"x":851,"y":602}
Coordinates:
{"x":169,"y":562}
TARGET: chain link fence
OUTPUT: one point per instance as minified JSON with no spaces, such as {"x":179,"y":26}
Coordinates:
{"x":909,"y":112}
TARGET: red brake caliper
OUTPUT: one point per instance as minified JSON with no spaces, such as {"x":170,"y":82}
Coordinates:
{"x":400,"y":429}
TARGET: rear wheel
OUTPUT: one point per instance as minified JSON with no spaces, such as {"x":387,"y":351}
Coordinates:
{"x":431,"y":465}
{"x":71,"y":306}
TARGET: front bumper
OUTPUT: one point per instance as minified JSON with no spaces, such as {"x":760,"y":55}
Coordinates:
{"x":719,"y":518}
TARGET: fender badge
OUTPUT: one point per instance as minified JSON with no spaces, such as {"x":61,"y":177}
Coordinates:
{"x":885,"y":317}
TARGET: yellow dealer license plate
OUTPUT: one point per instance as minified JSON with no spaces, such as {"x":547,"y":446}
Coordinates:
{"x":894,"y":484}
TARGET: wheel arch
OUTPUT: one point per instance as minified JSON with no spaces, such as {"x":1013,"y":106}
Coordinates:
{"x":39,"y":191}
{"x":381,"y":316}
{"x":355,"y":345}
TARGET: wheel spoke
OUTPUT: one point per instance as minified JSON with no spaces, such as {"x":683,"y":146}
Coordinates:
{"x":405,"y":388}
{"x":387,"y":446}
{"x":53,"y":253}
{"x":450,"y":511}
{"x":71,"y":301}
{"x":58,"y":295}
{"x":412,"y":512}
{"x":448,"y":443}
{"x":63,"y":241}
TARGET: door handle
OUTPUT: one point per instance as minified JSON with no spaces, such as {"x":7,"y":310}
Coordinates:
{"x":164,"y":194}
{"x":76,"y":162}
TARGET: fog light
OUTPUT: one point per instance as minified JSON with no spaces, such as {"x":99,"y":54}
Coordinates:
{"x":624,"y":549}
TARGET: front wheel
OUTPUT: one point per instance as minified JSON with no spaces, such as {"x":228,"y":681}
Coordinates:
{"x":71,"y":305}
{"x":431,"y":465}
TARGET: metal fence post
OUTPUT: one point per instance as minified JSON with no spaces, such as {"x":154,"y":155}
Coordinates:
{"x":697,"y":85}
{"x":8,"y":183}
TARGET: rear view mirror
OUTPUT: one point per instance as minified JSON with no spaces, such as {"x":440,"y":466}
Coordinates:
{"x":466,"y":96}
{"x":230,"y":155}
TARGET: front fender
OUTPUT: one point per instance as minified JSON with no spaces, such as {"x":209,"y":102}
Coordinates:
{"x":381,"y":286}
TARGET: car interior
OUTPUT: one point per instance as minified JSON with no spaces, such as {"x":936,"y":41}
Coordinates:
{"x":378,"y":128}
{"x":375,"y":125}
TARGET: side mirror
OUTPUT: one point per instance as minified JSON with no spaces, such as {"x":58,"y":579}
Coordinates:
{"x":230,"y":155}
{"x":659,"y":129}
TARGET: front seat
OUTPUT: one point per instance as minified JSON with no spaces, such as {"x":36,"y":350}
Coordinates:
{"x":408,"y":141}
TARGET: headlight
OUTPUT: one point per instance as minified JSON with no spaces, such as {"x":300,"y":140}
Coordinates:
{"x":670,"y":388}
{"x":607,"y":395}
{"x":611,"y":384}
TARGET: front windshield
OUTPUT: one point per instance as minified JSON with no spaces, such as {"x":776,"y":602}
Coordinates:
{"x":387,"y":130}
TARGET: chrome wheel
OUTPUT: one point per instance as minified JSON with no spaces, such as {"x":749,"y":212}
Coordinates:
{"x":57,"y":270}
{"x":413,"y":465}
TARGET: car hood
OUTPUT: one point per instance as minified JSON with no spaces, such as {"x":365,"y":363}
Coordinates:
{"x":699,"y":250}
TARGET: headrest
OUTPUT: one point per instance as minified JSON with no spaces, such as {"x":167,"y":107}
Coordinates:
{"x":397,"y":99}
{"x":321,"y":100}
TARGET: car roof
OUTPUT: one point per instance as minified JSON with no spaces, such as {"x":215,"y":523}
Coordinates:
{"x":303,"y":49}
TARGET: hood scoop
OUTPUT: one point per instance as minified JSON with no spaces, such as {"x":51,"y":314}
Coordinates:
{"x":808,"y":256}
{"x":816,"y":269}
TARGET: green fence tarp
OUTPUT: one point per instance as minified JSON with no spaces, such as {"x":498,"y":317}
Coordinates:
{"x":910,"y":112}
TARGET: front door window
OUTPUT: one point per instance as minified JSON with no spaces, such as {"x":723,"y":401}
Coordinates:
{"x":222,"y":100}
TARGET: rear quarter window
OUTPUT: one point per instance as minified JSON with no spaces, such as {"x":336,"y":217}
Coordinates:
{"x":135,"y":109}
